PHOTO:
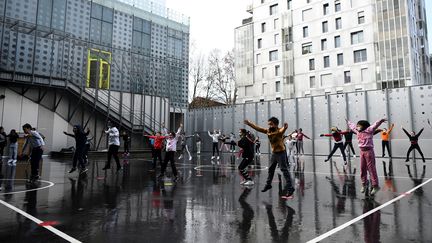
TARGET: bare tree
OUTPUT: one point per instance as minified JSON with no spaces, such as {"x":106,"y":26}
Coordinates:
{"x":197,"y":73}
{"x":230,"y":84}
{"x":221,"y":76}
{"x":213,"y":74}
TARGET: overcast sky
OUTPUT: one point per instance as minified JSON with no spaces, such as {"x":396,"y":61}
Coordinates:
{"x":213,"y":21}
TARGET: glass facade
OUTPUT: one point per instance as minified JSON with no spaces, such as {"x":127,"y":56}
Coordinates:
{"x":70,"y":39}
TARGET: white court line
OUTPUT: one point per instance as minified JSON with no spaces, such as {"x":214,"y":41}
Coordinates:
{"x":50,"y":184}
{"x":37,"y":221}
{"x":343,"y":226}
{"x":335,"y":173}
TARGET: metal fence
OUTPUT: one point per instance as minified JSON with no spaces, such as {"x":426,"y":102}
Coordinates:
{"x":409,"y":107}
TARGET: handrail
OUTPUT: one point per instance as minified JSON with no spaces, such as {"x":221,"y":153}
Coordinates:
{"x":104,"y":92}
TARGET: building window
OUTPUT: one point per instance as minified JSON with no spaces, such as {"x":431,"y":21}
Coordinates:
{"x":360,"y":17}
{"x":259,"y":43}
{"x":258,"y":57}
{"x":51,"y":13}
{"x":277,"y":86}
{"x":307,"y":48}
{"x":307,"y":14}
{"x":337,"y":41}
{"x":276,"y":23}
{"x":249,"y":90}
{"x":308,"y":1}
{"x":289,"y":2}
{"x":98,"y":69}
{"x":277,"y":70}
{"x":325,"y":27}
{"x":340,"y":59}
{"x":338,"y":23}
{"x":360,"y":56}
{"x":276,"y":39}
{"x":263,"y":88}
{"x":311,"y":64}
{"x":273,"y":9}
{"x":357,"y":37}
{"x":312,"y":82}
{"x":263,"y":72}
{"x":263,"y":27}
{"x":337,"y":6}
{"x":323,"y":44}
{"x":326,"y":61}
{"x":273,"y":55}
{"x":326,"y":9}
{"x":364,"y":74}
{"x":101,"y":24}
{"x":305,"y":31}
{"x":141,"y":36}
{"x":347,"y":77}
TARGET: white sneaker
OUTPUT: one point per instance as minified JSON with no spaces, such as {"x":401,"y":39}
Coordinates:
{"x":181,"y":157}
{"x":354,"y":155}
{"x":14,"y":162}
{"x":10,"y":162}
{"x":212,"y":157}
{"x":190,"y":157}
{"x":218,"y":157}
{"x":249,"y":183}
{"x":243,"y":182}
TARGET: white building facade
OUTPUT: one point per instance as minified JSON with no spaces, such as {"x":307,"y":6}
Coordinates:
{"x":313,"y":47}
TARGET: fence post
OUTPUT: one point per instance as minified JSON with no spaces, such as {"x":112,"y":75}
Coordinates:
{"x":313,"y":128}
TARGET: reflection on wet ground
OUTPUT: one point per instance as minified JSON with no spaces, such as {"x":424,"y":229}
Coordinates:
{"x":208,"y":204}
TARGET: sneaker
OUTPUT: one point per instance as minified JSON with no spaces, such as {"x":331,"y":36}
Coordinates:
{"x":119,"y":168}
{"x":326,"y":160}
{"x":190,"y":157}
{"x":266,"y":188}
{"x":72,"y":170}
{"x":83,"y":170}
{"x":363,"y":189}
{"x":354,"y":155}
{"x":218,"y":157}
{"x":375,"y":189}
{"x":249,"y":183}
{"x":407,"y":160}
{"x":259,"y":153}
{"x":345,"y":162}
{"x":289,"y":194}
{"x":383,"y":155}
{"x":14,"y":162}
{"x":181,"y":157}
{"x":212,"y":157}
{"x":106,"y":168}
{"x":242,"y":182}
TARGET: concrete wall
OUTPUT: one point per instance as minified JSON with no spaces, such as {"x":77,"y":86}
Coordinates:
{"x":409,"y":107}
{"x":16,"y":110}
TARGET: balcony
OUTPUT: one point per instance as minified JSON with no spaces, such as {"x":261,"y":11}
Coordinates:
{"x":249,"y":8}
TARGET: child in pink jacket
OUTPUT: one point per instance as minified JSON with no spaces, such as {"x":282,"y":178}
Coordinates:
{"x":365,"y":133}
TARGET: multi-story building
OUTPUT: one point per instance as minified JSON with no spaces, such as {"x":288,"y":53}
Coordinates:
{"x":312,"y":47}
{"x":130,"y":58}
